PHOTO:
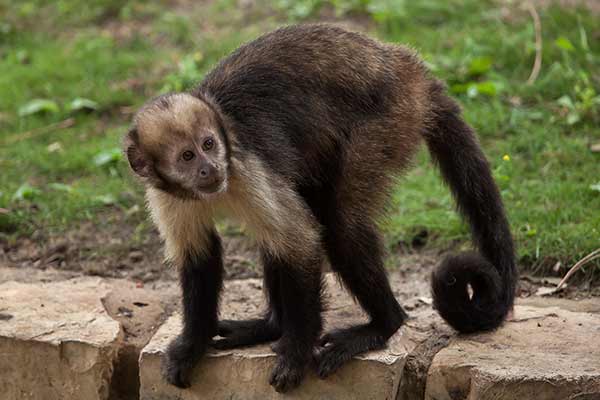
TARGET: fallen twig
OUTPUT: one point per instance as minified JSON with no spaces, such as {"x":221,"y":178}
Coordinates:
{"x":537,"y":25}
{"x":592,"y":256}
{"x":17,"y":137}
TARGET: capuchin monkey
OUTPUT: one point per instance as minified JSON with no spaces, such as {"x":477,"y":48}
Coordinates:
{"x":299,"y":135}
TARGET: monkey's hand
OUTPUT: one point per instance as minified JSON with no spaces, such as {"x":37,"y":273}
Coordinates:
{"x":181,"y":356}
{"x":246,"y":333}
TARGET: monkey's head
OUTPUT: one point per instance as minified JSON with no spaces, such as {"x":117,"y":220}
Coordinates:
{"x":177,"y":144}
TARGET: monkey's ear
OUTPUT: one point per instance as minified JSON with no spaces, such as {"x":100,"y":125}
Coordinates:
{"x":138,"y":160}
{"x":138,"y":163}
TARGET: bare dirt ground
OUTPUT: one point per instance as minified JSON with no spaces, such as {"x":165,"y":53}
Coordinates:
{"x":113,"y":250}
{"x":117,"y":250}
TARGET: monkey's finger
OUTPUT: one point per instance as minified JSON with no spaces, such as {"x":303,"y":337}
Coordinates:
{"x":182,"y":381}
{"x":325,"y":340}
{"x":331,"y":359}
{"x":226,"y":327}
{"x":285,"y":376}
{"x":276,"y":347}
{"x":177,"y":375}
{"x":224,"y":344}
{"x":233,"y":342}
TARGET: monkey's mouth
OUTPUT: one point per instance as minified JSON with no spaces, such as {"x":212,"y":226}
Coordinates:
{"x":214,"y":187}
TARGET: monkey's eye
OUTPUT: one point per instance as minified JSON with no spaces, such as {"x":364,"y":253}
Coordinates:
{"x":187,"y":155}
{"x":208,"y":144}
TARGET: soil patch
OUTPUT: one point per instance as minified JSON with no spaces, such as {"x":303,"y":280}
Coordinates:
{"x":118,"y":248}
{"x":126,"y":249}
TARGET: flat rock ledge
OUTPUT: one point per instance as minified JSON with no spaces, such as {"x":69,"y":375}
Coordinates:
{"x":56,"y":340}
{"x":244,"y":373}
{"x":541,"y":353}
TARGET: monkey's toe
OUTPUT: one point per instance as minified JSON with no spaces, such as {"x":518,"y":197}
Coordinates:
{"x":179,"y":360}
{"x":245,"y":333}
{"x":339,"y":346}
{"x":287,"y":374}
{"x":227,"y":326}
{"x":331,"y":358}
{"x":177,"y":375}
{"x":233,"y":342}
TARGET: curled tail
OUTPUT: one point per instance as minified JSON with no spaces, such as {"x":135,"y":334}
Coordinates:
{"x":491,"y":273}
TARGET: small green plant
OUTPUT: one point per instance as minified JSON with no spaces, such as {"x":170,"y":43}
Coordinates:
{"x":381,"y":11}
{"x":109,"y":159}
{"x":579,"y":99}
{"x":298,"y":10}
{"x":177,"y":27}
{"x":583,"y":103}
{"x":188,"y":73}
{"x":25,"y":192}
{"x":82,"y":104}
{"x":38,"y":106}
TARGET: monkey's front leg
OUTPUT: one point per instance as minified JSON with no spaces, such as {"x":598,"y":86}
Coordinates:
{"x":201,"y":279}
{"x":300,"y":294}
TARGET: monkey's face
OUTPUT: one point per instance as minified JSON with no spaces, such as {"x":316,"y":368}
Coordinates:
{"x":197,"y":164}
{"x":178,"y":145}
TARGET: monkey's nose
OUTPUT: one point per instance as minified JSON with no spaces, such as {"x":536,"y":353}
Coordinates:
{"x":206,"y":174}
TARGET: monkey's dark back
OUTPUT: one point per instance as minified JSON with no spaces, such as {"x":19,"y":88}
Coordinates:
{"x":303,"y":89}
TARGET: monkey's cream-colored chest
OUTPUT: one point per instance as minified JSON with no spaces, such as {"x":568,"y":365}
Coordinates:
{"x":274,"y":216}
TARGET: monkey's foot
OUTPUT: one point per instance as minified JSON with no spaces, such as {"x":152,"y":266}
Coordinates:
{"x":246,"y":333}
{"x":290,"y":366}
{"x":339,"y":346}
{"x":181,"y":356}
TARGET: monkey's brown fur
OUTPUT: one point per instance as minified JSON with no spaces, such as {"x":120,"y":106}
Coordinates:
{"x":298,"y":135}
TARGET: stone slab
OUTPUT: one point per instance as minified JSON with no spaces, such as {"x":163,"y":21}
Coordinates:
{"x":56,"y":340}
{"x":244,"y":373}
{"x":140,"y":311}
{"x":541,"y":353}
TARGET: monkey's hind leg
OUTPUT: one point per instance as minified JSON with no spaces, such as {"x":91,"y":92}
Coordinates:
{"x":355,"y":253}
{"x":260,"y":330}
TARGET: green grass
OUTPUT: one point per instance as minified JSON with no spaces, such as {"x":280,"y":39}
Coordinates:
{"x":118,"y":54}
{"x":547,"y":183}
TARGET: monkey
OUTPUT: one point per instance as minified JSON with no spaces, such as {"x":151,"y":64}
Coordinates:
{"x":299,"y":135}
